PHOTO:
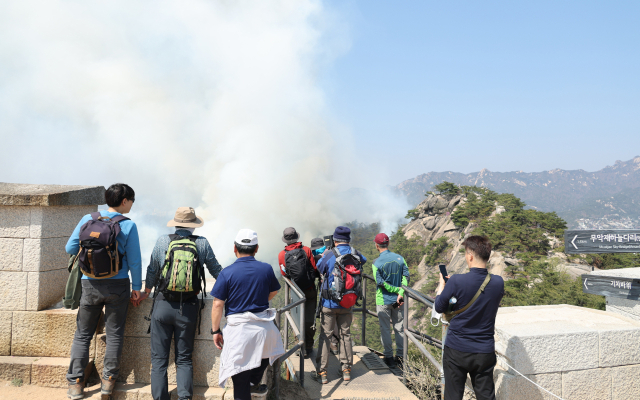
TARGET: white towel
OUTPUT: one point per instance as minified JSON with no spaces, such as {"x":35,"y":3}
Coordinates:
{"x":248,"y":338}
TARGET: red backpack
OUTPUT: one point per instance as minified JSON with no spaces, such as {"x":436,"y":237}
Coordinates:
{"x":346,"y":288}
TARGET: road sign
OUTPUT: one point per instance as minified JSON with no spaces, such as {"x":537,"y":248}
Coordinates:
{"x":602,"y":241}
{"x":615,"y":286}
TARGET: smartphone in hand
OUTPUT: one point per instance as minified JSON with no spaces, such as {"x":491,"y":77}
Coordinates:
{"x":443,"y":271}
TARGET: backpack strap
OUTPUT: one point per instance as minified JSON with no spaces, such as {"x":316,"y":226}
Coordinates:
{"x":453,"y":314}
{"x":119,"y":218}
{"x":173,"y":237}
{"x":95,"y":215}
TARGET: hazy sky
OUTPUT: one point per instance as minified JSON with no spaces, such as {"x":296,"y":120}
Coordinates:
{"x":504,"y":85}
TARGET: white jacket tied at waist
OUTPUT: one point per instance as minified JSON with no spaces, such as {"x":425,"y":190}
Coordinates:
{"x":248,"y":338}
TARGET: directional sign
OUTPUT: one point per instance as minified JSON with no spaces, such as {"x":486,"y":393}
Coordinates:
{"x":602,"y":241}
{"x":615,"y":286}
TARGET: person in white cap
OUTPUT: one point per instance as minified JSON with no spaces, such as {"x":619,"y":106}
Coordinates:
{"x":250,"y":341}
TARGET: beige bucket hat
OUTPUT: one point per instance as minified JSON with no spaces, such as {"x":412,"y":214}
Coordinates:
{"x":186,"y":217}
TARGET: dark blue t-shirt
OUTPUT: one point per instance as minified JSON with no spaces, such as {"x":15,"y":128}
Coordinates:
{"x":245,"y":286}
{"x":472,"y":331}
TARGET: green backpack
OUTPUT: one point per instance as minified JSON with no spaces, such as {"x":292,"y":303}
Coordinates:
{"x":182,"y":275}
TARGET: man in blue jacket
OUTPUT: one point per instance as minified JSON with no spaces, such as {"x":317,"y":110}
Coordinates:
{"x":112,"y":294}
{"x":470,"y":344}
{"x":333,"y":313}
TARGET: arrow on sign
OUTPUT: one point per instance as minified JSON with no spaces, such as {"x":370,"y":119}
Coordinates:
{"x":573,"y":241}
{"x":585,"y":283}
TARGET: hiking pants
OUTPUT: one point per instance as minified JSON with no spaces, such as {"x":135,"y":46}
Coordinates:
{"x":311,"y":296}
{"x":388,"y":315}
{"x":113,"y":295}
{"x":169,"y":322}
{"x":242,"y":381}
{"x":329,"y":316}
{"x":479,"y":366}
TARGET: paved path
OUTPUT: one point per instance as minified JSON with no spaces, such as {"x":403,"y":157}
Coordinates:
{"x":364,"y":384}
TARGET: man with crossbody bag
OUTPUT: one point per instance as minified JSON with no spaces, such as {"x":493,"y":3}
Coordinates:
{"x":470,"y":345}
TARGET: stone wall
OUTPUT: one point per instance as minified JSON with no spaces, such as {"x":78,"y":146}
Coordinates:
{"x":576,"y":353}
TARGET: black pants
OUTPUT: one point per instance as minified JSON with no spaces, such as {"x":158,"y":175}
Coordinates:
{"x":310,"y":305}
{"x":112,"y":295}
{"x":479,"y":366}
{"x":169,"y":321}
{"x":242,"y":381}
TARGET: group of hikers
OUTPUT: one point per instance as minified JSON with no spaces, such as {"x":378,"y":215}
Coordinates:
{"x":105,"y":251}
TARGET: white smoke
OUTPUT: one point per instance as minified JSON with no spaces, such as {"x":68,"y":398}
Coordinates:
{"x":212,"y":104}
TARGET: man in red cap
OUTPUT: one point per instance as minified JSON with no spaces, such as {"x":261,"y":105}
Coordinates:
{"x":390,"y":272}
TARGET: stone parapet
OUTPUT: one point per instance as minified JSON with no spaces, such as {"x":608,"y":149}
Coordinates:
{"x":19,"y":194}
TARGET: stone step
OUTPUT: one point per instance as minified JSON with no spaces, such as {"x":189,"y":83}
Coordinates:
{"x":39,"y":371}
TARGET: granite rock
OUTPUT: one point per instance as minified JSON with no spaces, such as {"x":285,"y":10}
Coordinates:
{"x":17,"y":194}
{"x":16,"y":368}
{"x":57,"y":221}
{"x":11,"y":254}
{"x":625,"y":382}
{"x":620,"y":347}
{"x":44,"y":333}
{"x":15,"y":221}
{"x":45,"y":254}
{"x":625,"y":307}
{"x":591,"y":384}
{"x":514,"y":387}
{"x":13,"y":290}
{"x":5,"y":333}
{"x":44,"y":289}
{"x":50,"y":372}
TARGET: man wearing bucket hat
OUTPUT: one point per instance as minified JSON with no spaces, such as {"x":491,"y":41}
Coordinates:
{"x":298,"y":264}
{"x":176,"y":308}
{"x":390,"y":272}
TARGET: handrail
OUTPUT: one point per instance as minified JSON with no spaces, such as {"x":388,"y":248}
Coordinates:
{"x":286,"y":310}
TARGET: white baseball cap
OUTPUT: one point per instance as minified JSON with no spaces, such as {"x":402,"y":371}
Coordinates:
{"x":247,"y":237}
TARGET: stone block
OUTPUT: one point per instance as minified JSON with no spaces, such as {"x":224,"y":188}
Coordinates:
{"x":11,"y":254}
{"x":46,"y":333}
{"x":13,"y":290}
{"x":619,"y":347}
{"x":45,"y":289}
{"x":50,"y":372}
{"x":45,"y":254}
{"x":206,"y":363}
{"x":625,"y":382}
{"x":127,"y":391}
{"x":546,"y":339}
{"x":590,"y":384}
{"x":57,"y":221}
{"x":15,"y":221}
{"x":626,"y":307}
{"x":207,"y":393}
{"x":21,"y":194}
{"x":16,"y":368}
{"x":5,"y":333}
{"x":514,"y":387}
{"x":145,"y":392}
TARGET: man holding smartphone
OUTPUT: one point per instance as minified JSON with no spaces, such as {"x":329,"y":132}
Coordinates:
{"x":390,"y":272}
{"x":470,"y":344}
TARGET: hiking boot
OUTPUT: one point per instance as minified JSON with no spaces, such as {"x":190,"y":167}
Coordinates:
{"x":321,"y":377}
{"x":259,"y":390}
{"x":76,"y":390}
{"x":108,"y":385}
{"x":391,"y":363}
{"x":399,"y":362}
{"x":346,"y":374}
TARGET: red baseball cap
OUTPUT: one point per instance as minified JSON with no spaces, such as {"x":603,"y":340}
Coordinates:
{"x":381,"y":238}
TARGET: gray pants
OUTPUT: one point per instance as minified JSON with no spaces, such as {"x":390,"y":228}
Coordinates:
{"x":388,"y":315}
{"x":113,"y":295}
{"x":168,"y":322}
{"x":329,"y":317}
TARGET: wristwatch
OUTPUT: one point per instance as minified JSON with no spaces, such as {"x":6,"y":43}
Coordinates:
{"x":216,"y":332}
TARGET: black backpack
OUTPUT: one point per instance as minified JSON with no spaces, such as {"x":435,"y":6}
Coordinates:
{"x":299,"y":268}
{"x":98,"y":256}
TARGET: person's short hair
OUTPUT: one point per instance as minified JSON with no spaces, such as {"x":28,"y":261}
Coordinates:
{"x":339,"y":241}
{"x":244,"y":249}
{"x":383,"y":245}
{"x":118,"y":192}
{"x":479,"y":245}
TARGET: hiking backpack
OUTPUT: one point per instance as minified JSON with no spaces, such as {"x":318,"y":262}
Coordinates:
{"x":346,"y":288}
{"x":299,"y":268}
{"x":182,"y":274}
{"x":98,"y":256}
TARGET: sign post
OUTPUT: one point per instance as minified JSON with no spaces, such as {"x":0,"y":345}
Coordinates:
{"x":602,"y":241}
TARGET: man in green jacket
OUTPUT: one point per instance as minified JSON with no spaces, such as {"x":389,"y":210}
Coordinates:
{"x":390,"y":272}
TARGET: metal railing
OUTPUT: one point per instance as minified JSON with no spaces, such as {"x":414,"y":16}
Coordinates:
{"x":409,"y":334}
{"x":299,"y":333}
